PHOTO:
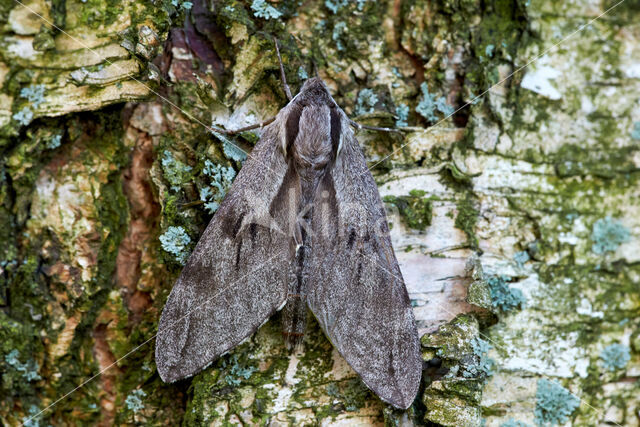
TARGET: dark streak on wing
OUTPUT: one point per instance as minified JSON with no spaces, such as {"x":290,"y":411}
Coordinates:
{"x":336,"y":129}
{"x":293,"y":125}
{"x":352,"y":238}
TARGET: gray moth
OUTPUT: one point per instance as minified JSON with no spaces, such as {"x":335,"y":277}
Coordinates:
{"x":302,"y":227}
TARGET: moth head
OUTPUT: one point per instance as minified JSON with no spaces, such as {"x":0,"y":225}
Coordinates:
{"x":313,"y":95}
{"x":315,"y":88}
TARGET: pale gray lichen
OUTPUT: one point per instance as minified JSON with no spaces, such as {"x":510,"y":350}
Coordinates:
{"x":607,"y":235}
{"x":521,"y":258}
{"x":443,"y":107}
{"x":335,"y":5}
{"x":221,"y":180}
{"x":231,"y":149}
{"x":489,"y":50}
{"x":23,"y":116}
{"x":367,"y":99}
{"x":233,"y":152}
{"x":134,"y":400}
{"x":402,"y":111}
{"x":31,"y":420}
{"x":513,"y":423}
{"x":554,"y":403}
{"x":54,"y":141}
{"x":338,"y":30}
{"x":175,"y":172}
{"x":429,"y":104}
{"x":635,"y":133}
{"x":302,"y":73}
{"x":237,"y":371}
{"x":176,"y":241}
{"x":29,"y":370}
{"x":483,"y":365}
{"x":262,"y":9}
{"x":615,"y":356}
{"x":503,"y":297}
{"x":186,"y":5}
{"x":34,"y":94}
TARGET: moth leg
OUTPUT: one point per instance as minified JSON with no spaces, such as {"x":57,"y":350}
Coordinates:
{"x":379,"y":129}
{"x":287,"y":91}
{"x":244,"y":129}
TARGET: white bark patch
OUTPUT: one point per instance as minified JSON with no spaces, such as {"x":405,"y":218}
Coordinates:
{"x":340,"y":369}
{"x":281,"y":402}
{"x":25,"y":22}
{"x":538,"y":81}
{"x":633,"y":71}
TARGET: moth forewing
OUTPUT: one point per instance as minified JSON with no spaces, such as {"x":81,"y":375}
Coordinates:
{"x":236,"y":274}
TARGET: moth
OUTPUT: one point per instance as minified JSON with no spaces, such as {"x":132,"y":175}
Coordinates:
{"x":302,"y":227}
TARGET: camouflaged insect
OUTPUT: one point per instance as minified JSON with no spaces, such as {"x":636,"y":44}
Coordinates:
{"x":302,"y":226}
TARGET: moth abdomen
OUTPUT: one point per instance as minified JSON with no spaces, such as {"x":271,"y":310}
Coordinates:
{"x":294,"y":320}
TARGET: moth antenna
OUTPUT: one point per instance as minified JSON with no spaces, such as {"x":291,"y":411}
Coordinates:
{"x":244,"y":129}
{"x":287,"y":91}
{"x":359,"y":126}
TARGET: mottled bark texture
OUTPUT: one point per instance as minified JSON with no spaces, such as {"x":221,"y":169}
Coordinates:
{"x":515,"y":220}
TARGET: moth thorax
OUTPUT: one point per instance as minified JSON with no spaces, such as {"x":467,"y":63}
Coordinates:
{"x":312,"y":148}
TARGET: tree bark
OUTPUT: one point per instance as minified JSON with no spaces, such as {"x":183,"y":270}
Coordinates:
{"x":513,"y":201}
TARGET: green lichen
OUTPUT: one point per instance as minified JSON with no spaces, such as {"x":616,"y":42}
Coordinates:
{"x":479,"y":294}
{"x":415,"y":209}
{"x":339,"y":31}
{"x":34,"y":94}
{"x":16,"y":338}
{"x":353,"y":394}
{"x":466,"y":220}
{"x":335,"y":5}
{"x":44,"y":40}
{"x":54,"y":142}
{"x":554,"y":403}
{"x":302,"y":73}
{"x":32,"y":419}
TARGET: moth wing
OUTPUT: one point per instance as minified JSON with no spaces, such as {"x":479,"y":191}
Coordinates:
{"x":358,"y":294}
{"x":236,"y":277}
